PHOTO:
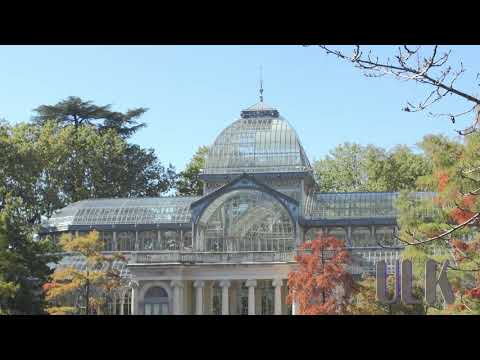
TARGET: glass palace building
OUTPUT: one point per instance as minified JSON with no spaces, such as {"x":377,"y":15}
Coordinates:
{"x":230,"y":250}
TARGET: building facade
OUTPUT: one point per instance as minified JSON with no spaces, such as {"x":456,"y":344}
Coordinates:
{"x":230,"y":250}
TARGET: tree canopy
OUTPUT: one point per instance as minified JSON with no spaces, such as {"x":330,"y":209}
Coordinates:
{"x":75,"y":111}
{"x":49,"y":166}
{"x":188,"y":182}
{"x":72,"y":151}
{"x":446,"y":227}
{"x":354,"y":167}
{"x":23,"y":262}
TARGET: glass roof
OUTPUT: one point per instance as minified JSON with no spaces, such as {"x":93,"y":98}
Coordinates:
{"x":260,"y":141}
{"x":79,"y":264}
{"x":354,"y":205}
{"x":124,"y":211}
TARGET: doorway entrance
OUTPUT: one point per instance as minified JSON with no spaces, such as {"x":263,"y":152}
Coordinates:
{"x":156,"y":301}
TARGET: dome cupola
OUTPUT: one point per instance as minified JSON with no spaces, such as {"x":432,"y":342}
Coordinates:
{"x":260,"y":141}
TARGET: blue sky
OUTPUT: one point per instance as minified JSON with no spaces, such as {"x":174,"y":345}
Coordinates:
{"x":193,"y":92}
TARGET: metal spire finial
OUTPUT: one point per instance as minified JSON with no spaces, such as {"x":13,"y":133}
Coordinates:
{"x":261,"y":85}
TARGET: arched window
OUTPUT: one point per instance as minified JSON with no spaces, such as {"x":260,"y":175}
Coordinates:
{"x":246,"y":220}
{"x":156,"y":301}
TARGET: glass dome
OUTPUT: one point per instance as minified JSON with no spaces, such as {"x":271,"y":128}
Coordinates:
{"x":260,"y":141}
{"x":246,"y":220}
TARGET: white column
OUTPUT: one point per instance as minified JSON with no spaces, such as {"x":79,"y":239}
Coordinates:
{"x":135,"y":287}
{"x":294,"y":308}
{"x":225,"y":284}
{"x":114,"y":307}
{"x":182,"y":300}
{"x":122,"y":302}
{"x":199,"y":285}
{"x":277,"y":284}
{"x":177,"y":297}
{"x":251,"y":284}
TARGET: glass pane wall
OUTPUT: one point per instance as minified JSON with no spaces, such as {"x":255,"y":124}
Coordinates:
{"x":246,"y":220}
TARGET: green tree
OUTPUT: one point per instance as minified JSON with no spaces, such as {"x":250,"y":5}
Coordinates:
{"x":75,"y":111}
{"x":71,"y":290}
{"x":50,"y":166}
{"x":142,"y":174}
{"x":353,"y":167}
{"x":189,"y":182}
{"x":445,"y":227}
{"x":7,"y":292}
{"x":364,"y":301}
{"x":23,"y":262}
{"x":72,"y":151}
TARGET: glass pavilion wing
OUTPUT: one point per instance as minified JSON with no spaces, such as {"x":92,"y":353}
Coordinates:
{"x":354,"y":205}
{"x":78,"y":263}
{"x":124,"y":211}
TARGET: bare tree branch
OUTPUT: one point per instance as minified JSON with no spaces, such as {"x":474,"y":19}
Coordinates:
{"x":446,"y":233}
{"x":435,"y":71}
{"x":409,"y":65}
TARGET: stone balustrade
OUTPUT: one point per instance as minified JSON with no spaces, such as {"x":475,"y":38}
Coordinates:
{"x":363,"y":258}
{"x":212,"y":257}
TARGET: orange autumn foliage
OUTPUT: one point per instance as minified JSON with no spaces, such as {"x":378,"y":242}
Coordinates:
{"x":464,"y":212}
{"x":460,"y":248}
{"x":49,"y":285}
{"x":469,"y":201}
{"x":474,"y":293}
{"x":460,"y":216}
{"x":466,"y":204}
{"x":442,"y":180}
{"x":321,"y":285}
{"x":460,"y":245}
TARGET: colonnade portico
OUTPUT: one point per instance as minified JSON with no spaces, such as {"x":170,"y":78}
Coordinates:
{"x":225,"y":286}
{"x":211,"y":289}
{"x":230,"y":296}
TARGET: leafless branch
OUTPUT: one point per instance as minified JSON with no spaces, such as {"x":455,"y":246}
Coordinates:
{"x":409,"y":64}
{"x":435,"y":71}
